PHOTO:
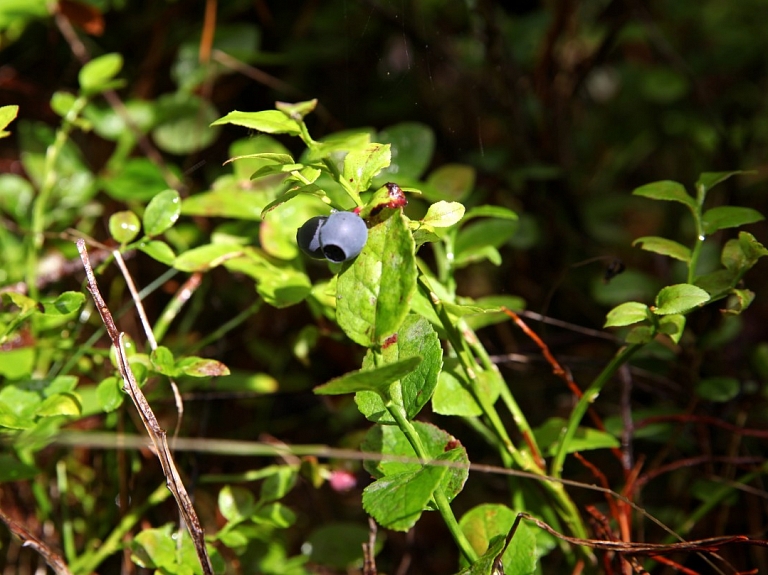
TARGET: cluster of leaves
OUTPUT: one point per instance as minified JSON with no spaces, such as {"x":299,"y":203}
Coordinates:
{"x":418,"y":334}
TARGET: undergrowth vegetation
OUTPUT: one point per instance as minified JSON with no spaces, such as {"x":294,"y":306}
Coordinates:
{"x":242,"y":337}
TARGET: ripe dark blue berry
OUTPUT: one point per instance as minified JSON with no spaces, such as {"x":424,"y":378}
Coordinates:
{"x":343,"y":236}
{"x":308,"y":237}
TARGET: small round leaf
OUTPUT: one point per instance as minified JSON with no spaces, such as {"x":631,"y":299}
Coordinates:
{"x":124,"y":226}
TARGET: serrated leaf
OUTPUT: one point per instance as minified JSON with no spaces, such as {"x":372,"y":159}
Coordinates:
{"x":373,"y":294}
{"x":269,"y":121}
{"x":666,"y":190}
{"x":664,"y":247}
{"x":360,"y":166}
{"x":124,"y":226}
{"x":397,"y":501}
{"x":390,"y":442}
{"x":443,"y":214}
{"x":162,"y":212}
{"x":415,"y":338}
{"x":679,"y":298}
{"x":729,"y":217}
{"x":378,"y":379}
{"x":626,"y":314}
{"x":268,"y":156}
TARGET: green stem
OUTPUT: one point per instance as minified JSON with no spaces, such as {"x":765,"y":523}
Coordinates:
{"x":440,"y":499}
{"x":88,"y":562}
{"x":40,"y":205}
{"x":67,"y":531}
{"x":589,"y":396}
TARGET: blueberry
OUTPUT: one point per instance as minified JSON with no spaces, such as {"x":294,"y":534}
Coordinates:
{"x":343,"y":236}
{"x":308,"y":237}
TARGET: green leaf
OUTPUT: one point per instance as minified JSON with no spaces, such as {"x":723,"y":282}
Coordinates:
{"x":478,"y":236}
{"x":275,"y":515}
{"x":753,"y":250}
{"x":709,"y":180}
{"x":549,"y":434}
{"x":154,"y":548}
{"x":485,"y":523}
{"x":227,"y":200}
{"x":201,"y":367}
{"x":278,"y":484}
{"x":183,"y":123}
{"x":124,"y":226}
{"x":718,"y":389}
{"x":298,"y":110}
{"x":412,"y":145}
{"x":278,"y":158}
{"x":137,"y":179}
{"x":397,"y":501}
{"x":62,"y":102}
{"x":443,"y":214}
{"x":66,"y":303}
{"x":486,"y":564}
{"x":626,"y":314}
{"x":451,"y":182}
{"x":415,"y":338}
{"x":110,"y":394}
{"x":280,"y":284}
{"x":391,"y":442}
{"x":666,"y":190}
{"x":452,"y":397}
{"x":60,"y":404}
{"x":163,"y":361}
{"x":679,"y":298}
{"x":673,"y":326}
{"x":373,"y":294}
{"x":664,"y":247}
{"x":11,"y":469}
{"x":206,"y":257}
{"x":339,"y":545}
{"x":97,"y":74}
{"x":159,"y":251}
{"x":739,"y":301}
{"x":162,"y":212}
{"x":497,"y":212}
{"x":360,"y":166}
{"x":729,"y":217}
{"x":7,"y":115}
{"x":236,"y":503}
{"x":379,"y":379}
{"x":269,"y":121}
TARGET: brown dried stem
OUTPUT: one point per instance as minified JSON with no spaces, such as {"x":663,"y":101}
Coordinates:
{"x":156,"y":433}
{"x":53,"y":559}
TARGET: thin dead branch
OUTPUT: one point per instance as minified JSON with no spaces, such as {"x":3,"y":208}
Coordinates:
{"x":156,"y":433}
{"x":53,"y":559}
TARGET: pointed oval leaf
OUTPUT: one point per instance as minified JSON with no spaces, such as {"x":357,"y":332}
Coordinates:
{"x":679,"y":298}
{"x":666,"y":190}
{"x":672,"y":325}
{"x":443,"y":214}
{"x":163,"y":361}
{"x":236,"y":503}
{"x":162,"y":212}
{"x":497,"y":212}
{"x":201,"y":367}
{"x":110,"y":394}
{"x":378,"y":379}
{"x":360,"y":166}
{"x":124,"y":226}
{"x":206,"y":257}
{"x":373,"y":294}
{"x":664,"y":247}
{"x":7,"y":115}
{"x":724,"y":217}
{"x":718,"y":389}
{"x":60,"y":404}
{"x":412,"y":146}
{"x":159,"y":251}
{"x":709,"y":180}
{"x":450,"y":182}
{"x":66,"y":303}
{"x":269,"y":121}
{"x":626,"y":314}
{"x":96,"y":74}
